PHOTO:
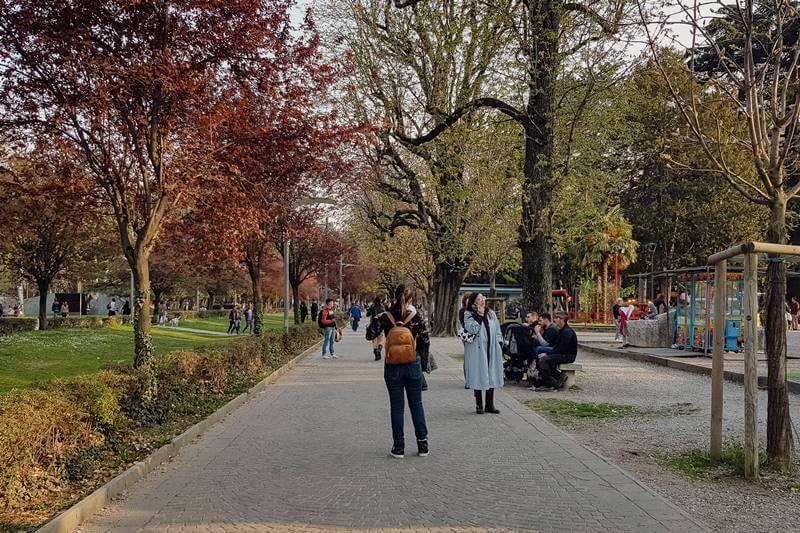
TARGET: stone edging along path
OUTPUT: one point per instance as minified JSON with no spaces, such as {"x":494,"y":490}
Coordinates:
{"x":71,"y":518}
{"x":631,"y":353}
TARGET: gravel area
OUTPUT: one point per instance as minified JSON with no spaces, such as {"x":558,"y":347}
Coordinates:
{"x":637,"y":443}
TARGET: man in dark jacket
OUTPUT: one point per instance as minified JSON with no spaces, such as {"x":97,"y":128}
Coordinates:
{"x":565,"y":350}
{"x":314,"y":310}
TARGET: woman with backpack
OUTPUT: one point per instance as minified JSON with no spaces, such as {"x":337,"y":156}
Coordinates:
{"x":483,"y":356}
{"x":402,"y":372}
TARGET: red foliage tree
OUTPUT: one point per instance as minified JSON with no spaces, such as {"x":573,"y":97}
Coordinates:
{"x":48,"y":226}
{"x":312,"y":249}
{"x":130,"y":88}
{"x":283,"y":143}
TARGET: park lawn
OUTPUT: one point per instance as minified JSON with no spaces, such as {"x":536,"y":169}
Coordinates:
{"x":220,"y":324}
{"x":31,"y":357}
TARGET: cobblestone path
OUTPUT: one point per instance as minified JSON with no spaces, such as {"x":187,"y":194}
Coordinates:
{"x":311,"y":454}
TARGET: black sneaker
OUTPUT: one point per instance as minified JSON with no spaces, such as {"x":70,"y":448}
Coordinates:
{"x":397,"y":453}
{"x":422,"y":448}
{"x":562,"y":381}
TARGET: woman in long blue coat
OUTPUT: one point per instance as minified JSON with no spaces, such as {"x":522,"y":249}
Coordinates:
{"x":483,"y":357}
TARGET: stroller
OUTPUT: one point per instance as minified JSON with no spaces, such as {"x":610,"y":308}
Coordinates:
{"x":517,"y":346}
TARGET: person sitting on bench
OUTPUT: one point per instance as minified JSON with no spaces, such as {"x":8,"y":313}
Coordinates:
{"x":565,"y":350}
{"x":545,"y":335}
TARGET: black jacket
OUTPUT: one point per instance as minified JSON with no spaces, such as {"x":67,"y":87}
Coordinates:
{"x":567,"y":342}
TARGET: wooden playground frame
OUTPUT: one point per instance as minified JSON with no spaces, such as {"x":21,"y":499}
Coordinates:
{"x":750,"y":252}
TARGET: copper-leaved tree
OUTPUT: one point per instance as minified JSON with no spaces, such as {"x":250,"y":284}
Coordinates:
{"x":126,"y":87}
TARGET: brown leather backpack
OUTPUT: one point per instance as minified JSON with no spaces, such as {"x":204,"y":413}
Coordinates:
{"x":401,"y":348}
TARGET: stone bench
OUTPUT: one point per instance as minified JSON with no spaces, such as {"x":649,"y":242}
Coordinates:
{"x":569,"y":370}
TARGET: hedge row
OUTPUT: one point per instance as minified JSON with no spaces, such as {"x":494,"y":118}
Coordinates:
{"x":86,"y":321}
{"x":190,"y":315}
{"x":9,"y":325}
{"x":61,"y":439}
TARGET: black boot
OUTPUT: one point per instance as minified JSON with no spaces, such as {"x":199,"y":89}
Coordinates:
{"x":479,"y":402}
{"x":490,"y":408}
{"x":377,"y":353}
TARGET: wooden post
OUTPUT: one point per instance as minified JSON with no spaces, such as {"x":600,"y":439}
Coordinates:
{"x":718,"y":359}
{"x":750,"y":366}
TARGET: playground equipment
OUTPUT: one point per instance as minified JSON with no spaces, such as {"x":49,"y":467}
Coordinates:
{"x":693,"y":313}
{"x":748,"y":253}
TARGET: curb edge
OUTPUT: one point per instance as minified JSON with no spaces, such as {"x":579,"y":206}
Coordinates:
{"x":69,"y":519}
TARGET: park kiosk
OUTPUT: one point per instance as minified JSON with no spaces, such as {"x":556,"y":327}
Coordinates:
{"x":748,"y":254}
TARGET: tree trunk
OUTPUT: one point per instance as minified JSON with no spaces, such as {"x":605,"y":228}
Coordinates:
{"x":779,"y":425}
{"x":605,"y":290}
{"x":211,"y":297}
{"x":296,"y":299}
{"x":598,"y":296}
{"x":537,"y":275}
{"x":43,"y":288}
{"x":142,"y":340}
{"x":544,"y":20}
{"x":446,"y":284}
{"x":156,"y":305}
{"x":254,"y":270}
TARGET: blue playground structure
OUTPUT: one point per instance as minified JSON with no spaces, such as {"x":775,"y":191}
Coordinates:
{"x":694,"y":310}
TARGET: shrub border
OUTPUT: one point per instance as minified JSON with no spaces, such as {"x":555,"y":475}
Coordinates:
{"x":71,"y":518}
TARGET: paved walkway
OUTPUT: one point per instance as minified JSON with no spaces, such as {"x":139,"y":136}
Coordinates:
{"x":311,"y":454}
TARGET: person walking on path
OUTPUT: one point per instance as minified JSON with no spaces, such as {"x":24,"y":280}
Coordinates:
{"x":374,"y":329}
{"x":56,"y":308}
{"x":112,"y":307}
{"x":564,"y":351}
{"x":483,"y":358}
{"x":405,"y":379}
{"x":303,"y":312}
{"x":355,"y":316}
{"x":234,"y":321}
{"x":248,"y":317}
{"x":625,"y":315}
{"x":615,"y":316}
{"x":64,"y":309}
{"x":327,"y":321}
{"x":126,"y":308}
{"x":314,"y":310}
{"x":794,"y":309}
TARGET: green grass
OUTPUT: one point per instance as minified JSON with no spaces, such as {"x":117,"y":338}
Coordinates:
{"x":568,"y":410}
{"x":794,"y":376}
{"x":220,"y":324}
{"x":27,"y":358}
{"x":697,"y":464}
{"x":457,"y":356}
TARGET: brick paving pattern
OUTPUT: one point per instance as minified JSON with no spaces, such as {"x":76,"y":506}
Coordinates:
{"x":311,"y":454}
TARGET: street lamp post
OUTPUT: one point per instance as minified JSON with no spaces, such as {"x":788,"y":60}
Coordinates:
{"x":286,"y":283}
{"x":342,"y":264}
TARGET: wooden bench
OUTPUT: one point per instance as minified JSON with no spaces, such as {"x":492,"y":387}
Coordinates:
{"x":569,"y":370}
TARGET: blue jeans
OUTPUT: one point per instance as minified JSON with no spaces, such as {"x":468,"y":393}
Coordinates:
{"x":543,"y":349}
{"x":406,"y":378}
{"x":329,"y":334}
